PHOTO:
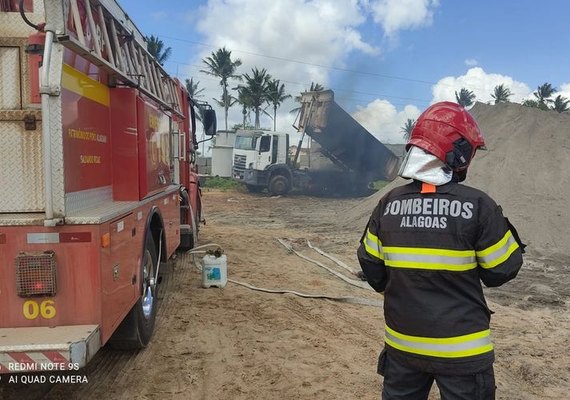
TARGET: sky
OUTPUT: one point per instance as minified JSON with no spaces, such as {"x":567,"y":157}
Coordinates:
{"x":385,"y":60}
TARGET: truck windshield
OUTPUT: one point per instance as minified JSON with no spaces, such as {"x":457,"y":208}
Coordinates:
{"x":246,"y":142}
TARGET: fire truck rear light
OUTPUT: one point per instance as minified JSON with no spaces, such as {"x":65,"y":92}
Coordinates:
{"x":106,"y":240}
{"x":36,"y":274}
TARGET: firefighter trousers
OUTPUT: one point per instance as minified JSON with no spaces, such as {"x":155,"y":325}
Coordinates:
{"x":403,"y":383}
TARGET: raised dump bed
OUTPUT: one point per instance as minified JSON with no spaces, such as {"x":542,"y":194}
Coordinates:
{"x":342,"y":139}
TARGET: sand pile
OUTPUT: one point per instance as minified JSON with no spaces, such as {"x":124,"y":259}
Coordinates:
{"x":526,"y":170}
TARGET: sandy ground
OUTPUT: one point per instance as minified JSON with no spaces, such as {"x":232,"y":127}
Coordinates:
{"x":236,"y":343}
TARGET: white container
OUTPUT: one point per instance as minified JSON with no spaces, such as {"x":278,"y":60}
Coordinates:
{"x":214,"y":271}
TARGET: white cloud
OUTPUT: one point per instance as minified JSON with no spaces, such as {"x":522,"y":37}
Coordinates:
{"x":396,"y":15}
{"x":563,"y":91}
{"x":298,"y":41}
{"x":295,"y":40}
{"x":319,"y":33}
{"x":471,"y":62}
{"x":384,"y":121}
{"x":481,"y":84}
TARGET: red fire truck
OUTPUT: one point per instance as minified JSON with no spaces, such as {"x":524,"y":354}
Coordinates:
{"x":98,"y":181}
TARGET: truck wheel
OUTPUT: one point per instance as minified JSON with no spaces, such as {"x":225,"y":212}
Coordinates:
{"x":278,"y":185}
{"x":254,"y":188}
{"x":195,"y":220}
{"x":136,"y":329}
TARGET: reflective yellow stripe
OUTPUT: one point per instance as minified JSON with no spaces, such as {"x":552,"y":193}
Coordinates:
{"x":499,"y":252}
{"x":429,"y":251}
{"x":373,"y":245}
{"x":440,"y":259}
{"x":449,"y":347}
{"x":431,"y":259}
{"x":431,"y":266}
{"x":81,"y":84}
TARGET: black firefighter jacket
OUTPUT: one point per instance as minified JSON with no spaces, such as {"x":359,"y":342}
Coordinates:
{"x":428,"y":249}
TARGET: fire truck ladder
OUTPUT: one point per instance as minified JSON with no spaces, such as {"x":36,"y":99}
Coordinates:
{"x":101,"y":32}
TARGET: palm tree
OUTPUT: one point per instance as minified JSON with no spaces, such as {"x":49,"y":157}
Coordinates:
{"x":245,"y":102}
{"x":156,"y":48}
{"x":465,"y":97}
{"x":561,"y":104}
{"x":221,"y":65}
{"x":195,"y":93}
{"x":192,"y":88}
{"x":276,"y":95}
{"x":315,"y":87}
{"x":501,"y":94}
{"x":256,"y":91}
{"x":543,"y":94}
{"x":530,"y":103}
{"x":407,"y":128}
{"x":226,"y":101}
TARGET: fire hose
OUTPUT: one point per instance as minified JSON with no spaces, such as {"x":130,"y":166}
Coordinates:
{"x":341,"y":299}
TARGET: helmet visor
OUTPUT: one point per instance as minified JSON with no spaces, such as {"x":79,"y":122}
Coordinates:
{"x":420,"y":165}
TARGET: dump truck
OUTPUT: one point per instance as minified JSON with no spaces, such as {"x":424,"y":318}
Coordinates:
{"x":98,"y":177}
{"x":344,"y":158}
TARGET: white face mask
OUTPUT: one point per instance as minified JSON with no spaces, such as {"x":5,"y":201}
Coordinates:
{"x":425,"y":167}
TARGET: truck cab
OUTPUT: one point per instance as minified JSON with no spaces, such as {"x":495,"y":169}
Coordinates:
{"x":261,"y":160}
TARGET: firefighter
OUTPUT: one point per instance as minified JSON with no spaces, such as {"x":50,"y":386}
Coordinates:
{"x":428,"y":246}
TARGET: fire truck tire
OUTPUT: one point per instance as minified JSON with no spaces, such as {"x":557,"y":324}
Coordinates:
{"x":278,"y":185}
{"x":136,"y":329}
{"x":195,"y":228}
{"x":254,"y":188}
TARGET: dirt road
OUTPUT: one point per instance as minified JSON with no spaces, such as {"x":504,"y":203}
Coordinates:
{"x":237,"y":343}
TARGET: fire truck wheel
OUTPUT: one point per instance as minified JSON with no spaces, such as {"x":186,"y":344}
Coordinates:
{"x":195,"y":219}
{"x":136,"y":329}
{"x":278,"y":185}
{"x":254,"y":188}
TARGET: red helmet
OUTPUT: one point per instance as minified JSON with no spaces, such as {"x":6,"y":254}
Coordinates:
{"x":449,"y":132}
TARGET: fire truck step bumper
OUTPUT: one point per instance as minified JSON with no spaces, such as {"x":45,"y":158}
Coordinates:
{"x":47,"y":349}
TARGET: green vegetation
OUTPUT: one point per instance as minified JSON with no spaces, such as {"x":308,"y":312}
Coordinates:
{"x":276,"y":95}
{"x":259,"y":91}
{"x":407,"y":128}
{"x":560,"y":104}
{"x":217,"y":182}
{"x":465,"y":97}
{"x":377,"y":185}
{"x":255,"y":93}
{"x":156,"y":48}
{"x":501,"y":94}
{"x":221,"y":65}
{"x":543,"y":94}
{"x":543,"y":99}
